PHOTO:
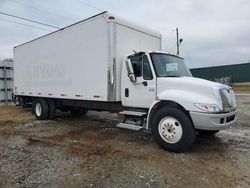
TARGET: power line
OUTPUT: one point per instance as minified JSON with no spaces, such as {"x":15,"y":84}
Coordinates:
{"x":14,"y":16}
{"x":42,"y":10}
{"x":7,"y":20}
{"x":92,"y":6}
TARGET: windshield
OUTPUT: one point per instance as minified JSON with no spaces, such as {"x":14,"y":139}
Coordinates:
{"x":169,"y":66}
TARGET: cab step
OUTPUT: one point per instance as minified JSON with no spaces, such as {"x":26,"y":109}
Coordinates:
{"x":133,"y":113}
{"x":129,"y":126}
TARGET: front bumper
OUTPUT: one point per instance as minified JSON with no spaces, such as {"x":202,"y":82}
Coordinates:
{"x":205,"y":121}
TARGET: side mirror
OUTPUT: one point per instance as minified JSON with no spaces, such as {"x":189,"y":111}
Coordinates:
{"x":130,"y":70}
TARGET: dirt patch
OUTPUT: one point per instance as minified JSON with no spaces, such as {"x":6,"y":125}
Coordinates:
{"x":87,"y":150}
{"x":83,"y":150}
{"x":33,"y":141}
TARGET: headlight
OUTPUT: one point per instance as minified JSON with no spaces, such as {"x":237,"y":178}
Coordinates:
{"x":207,"y":107}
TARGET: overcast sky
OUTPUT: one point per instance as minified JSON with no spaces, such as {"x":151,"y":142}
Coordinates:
{"x":214,"y":32}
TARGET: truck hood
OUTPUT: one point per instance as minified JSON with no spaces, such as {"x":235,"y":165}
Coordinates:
{"x":190,"y":83}
{"x":189,"y":90}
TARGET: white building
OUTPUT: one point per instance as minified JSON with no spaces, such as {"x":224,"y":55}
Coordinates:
{"x":6,"y":81}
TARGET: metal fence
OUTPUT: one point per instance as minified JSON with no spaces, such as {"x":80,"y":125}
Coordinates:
{"x":6,"y":81}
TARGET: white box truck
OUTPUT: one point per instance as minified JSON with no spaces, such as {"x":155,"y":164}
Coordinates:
{"x":105,"y":63}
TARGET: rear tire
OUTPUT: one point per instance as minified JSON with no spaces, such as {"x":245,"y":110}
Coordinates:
{"x":41,"y":109}
{"x":52,"y":109}
{"x":206,"y":132}
{"x":78,"y":112}
{"x":173,"y":130}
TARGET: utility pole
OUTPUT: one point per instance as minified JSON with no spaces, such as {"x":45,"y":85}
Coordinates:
{"x":178,"y":41}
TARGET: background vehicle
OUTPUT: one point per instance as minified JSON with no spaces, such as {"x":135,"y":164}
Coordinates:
{"x":106,"y":63}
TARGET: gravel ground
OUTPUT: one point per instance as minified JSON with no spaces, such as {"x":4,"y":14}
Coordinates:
{"x":91,"y":152}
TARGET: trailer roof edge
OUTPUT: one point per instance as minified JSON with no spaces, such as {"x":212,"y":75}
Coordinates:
{"x":62,"y":28}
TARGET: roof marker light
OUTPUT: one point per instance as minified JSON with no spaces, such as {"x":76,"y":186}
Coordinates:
{"x":111,"y":18}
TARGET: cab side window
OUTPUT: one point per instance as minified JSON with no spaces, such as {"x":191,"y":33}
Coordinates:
{"x":147,"y":73}
{"x":137,"y":65}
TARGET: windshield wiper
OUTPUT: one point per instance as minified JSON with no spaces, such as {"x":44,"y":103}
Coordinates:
{"x":172,"y":76}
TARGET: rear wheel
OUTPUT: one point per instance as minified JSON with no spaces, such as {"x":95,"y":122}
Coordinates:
{"x":52,"y":109}
{"x":173,"y":130}
{"x":41,"y":109}
{"x":206,"y":132}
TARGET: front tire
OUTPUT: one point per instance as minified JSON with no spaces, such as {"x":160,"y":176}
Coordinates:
{"x":173,"y":130}
{"x":41,"y":109}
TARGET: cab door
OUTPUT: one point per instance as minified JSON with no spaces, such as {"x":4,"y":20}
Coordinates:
{"x":142,"y":92}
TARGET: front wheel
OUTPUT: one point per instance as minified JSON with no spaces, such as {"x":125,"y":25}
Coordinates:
{"x":173,"y":130}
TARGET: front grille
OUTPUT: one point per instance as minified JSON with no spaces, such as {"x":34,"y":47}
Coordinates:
{"x":226,"y":99}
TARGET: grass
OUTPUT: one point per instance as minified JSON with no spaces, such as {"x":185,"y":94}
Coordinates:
{"x":14,"y":114}
{"x":242,"y":89}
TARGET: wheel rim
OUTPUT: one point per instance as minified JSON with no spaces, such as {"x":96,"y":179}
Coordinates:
{"x":38,"y":109}
{"x":170,"y":130}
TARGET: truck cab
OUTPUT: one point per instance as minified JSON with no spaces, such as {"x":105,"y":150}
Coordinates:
{"x":147,"y":69}
{"x":177,"y":105}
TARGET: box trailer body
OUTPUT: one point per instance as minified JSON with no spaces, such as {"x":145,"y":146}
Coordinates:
{"x":82,"y":61}
{"x":106,"y":63}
